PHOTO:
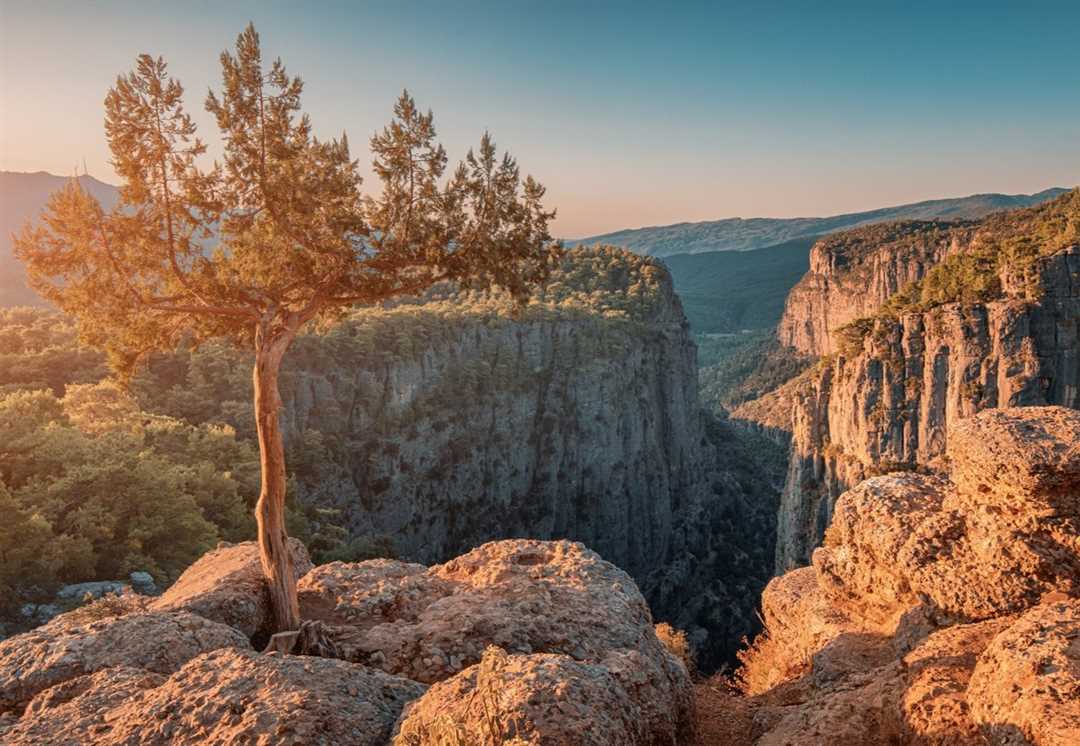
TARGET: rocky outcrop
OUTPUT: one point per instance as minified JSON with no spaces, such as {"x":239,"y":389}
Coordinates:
{"x":938,"y":611}
{"x":543,"y":641}
{"x":1039,"y":656}
{"x":852,"y":273}
{"x":225,"y":696}
{"x":89,"y":640}
{"x":240,"y":696}
{"x":522,"y":596}
{"x":73,"y":713}
{"x":894,"y":402}
{"x":227,"y":585}
{"x":541,"y":698}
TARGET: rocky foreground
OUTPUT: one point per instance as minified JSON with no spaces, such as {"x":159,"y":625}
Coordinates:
{"x":939,"y":611}
{"x":515,"y":642}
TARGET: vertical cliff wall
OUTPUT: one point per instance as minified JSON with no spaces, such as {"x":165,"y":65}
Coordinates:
{"x":461,"y":420}
{"x":890,"y":404}
{"x":854,"y":272}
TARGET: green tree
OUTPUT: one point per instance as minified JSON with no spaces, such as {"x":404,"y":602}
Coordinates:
{"x":296,"y":242}
{"x":28,"y":555}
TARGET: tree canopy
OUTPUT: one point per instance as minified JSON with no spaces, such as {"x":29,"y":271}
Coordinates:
{"x":277,"y":233}
{"x":274,"y":236}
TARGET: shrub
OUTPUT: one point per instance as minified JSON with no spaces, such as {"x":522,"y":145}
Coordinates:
{"x":677,"y":644}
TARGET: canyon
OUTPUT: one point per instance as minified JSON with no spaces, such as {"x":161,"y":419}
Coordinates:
{"x":577,"y":419}
{"x":885,"y":398}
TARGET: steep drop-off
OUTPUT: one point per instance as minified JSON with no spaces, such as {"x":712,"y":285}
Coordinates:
{"x":852,"y":273}
{"x":940,"y":611}
{"x":432,"y":427}
{"x":898,"y":381}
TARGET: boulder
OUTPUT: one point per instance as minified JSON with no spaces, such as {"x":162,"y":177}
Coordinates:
{"x":239,"y":696}
{"x":799,"y":621}
{"x":74,"y":712}
{"x":1025,"y":459}
{"x":993,"y":541}
{"x":860,"y":567}
{"x":1026,"y":685}
{"x":934,"y":701}
{"x":939,"y":612}
{"x":83,"y":641}
{"x":143,"y":582}
{"x":365,"y":594}
{"x":227,"y":585}
{"x":624,"y":700}
{"x":520,"y":595}
{"x":94,"y":589}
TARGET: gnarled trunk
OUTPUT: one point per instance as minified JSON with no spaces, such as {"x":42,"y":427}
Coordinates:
{"x":277,"y":560}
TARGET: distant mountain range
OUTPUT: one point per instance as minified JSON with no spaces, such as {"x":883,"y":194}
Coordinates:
{"x":22,"y":198}
{"x":731,"y":274}
{"x":745,"y":234}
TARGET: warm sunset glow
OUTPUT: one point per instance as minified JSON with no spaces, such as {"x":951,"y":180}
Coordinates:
{"x":551,"y":373}
{"x":631,"y":114}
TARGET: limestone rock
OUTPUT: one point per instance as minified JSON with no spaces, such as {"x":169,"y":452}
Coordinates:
{"x":227,"y":585}
{"x":75,"y":644}
{"x":895,"y":402}
{"x":521,"y":595}
{"x":937,"y":672}
{"x":74,"y":713}
{"x":624,"y":700}
{"x":938,"y":613}
{"x":1020,"y":460}
{"x":800,"y":622}
{"x":983,"y":548}
{"x":238,"y":696}
{"x":574,"y":420}
{"x":1026,"y":684}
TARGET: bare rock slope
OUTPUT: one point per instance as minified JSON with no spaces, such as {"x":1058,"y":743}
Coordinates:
{"x":523,"y":642}
{"x":938,"y":611}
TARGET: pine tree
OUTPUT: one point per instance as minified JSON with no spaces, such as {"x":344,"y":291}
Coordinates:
{"x":294,"y":241}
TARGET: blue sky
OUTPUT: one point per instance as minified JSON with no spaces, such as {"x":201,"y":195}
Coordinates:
{"x":631,"y":114}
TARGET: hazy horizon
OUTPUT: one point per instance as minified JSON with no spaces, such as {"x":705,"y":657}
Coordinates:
{"x":631,"y":115}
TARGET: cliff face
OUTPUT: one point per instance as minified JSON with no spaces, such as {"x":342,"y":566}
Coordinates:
{"x":568,"y":421}
{"x":892,"y":404}
{"x":940,"y":609}
{"x":852,"y":274}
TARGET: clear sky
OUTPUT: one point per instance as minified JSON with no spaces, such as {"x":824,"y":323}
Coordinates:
{"x":631,"y":114}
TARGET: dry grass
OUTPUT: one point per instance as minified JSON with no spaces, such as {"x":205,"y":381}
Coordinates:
{"x":765,"y":664}
{"x":677,"y":644}
{"x":109,"y":606}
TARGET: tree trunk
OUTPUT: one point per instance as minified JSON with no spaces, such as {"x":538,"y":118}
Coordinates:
{"x":277,"y":560}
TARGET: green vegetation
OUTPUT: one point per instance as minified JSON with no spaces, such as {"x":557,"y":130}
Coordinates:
{"x":95,"y":488}
{"x":294,"y":241}
{"x":98,"y":480}
{"x":735,"y":369}
{"x":849,"y":248}
{"x":729,"y":291}
{"x":1000,"y":259}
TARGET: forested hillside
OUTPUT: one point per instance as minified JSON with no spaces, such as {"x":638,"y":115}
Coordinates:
{"x":729,"y":291}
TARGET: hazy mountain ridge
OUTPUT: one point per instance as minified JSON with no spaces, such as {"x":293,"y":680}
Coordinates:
{"x":745,"y":234}
{"x":22,"y":197}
